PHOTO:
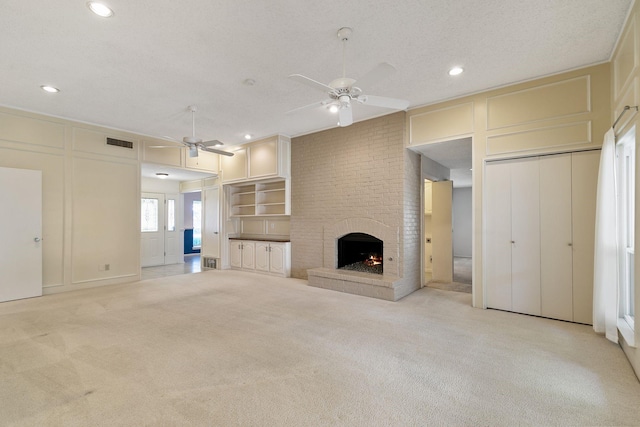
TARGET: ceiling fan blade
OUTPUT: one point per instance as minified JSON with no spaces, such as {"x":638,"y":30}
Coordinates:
{"x":310,"y":106}
{"x":311,"y":83}
{"x":164,"y":146}
{"x":380,"y":72}
{"x":345,"y":116}
{"x":381,"y":101}
{"x":212,"y":143}
{"x":213,"y":150}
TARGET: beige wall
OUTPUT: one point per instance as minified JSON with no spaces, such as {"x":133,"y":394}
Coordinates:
{"x":564,"y":112}
{"x":625,"y":88}
{"x":91,"y":194}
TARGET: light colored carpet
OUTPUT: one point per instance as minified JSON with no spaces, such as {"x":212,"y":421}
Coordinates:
{"x":233,"y":348}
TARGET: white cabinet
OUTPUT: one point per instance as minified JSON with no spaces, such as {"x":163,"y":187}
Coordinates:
{"x":242,"y":254}
{"x":267,"y":158}
{"x":261,"y":256}
{"x":234,"y":168}
{"x":273,"y":258}
{"x":539,"y":220}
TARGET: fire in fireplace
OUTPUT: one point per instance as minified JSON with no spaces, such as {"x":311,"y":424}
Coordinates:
{"x":360,"y":252}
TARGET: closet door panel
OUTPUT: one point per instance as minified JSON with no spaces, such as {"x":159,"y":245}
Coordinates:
{"x":525,"y":232}
{"x":497,"y":238}
{"x":584,"y":182}
{"x":556,"y":271}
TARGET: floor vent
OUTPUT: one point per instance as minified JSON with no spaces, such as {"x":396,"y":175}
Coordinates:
{"x":210,"y":263}
{"x":120,"y":143}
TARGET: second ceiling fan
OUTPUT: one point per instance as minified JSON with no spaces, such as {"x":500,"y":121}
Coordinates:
{"x":193,"y":143}
{"x":343,"y":90}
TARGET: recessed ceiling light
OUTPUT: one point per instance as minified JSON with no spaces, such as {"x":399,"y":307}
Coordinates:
{"x":50,"y":89}
{"x":455,"y":71}
{"x":247,"y":136}
{"x":100,"y":9}
{"x":162,"y":175}
{"x":333,"y":108}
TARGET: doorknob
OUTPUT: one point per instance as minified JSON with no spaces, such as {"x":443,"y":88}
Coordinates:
{"x":36,"y":239}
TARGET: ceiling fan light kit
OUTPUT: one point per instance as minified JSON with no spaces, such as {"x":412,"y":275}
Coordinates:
{"x":342,"y":91}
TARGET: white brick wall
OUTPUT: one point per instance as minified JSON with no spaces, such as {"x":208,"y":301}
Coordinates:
{"x":358,"y":172}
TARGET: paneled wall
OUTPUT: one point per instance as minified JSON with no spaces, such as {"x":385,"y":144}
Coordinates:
{"x":91,"y":197}
{"x":564,"y":112}
{"x":625,"y":87}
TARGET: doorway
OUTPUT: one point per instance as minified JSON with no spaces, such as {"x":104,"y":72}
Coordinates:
{"x":447,"y":221}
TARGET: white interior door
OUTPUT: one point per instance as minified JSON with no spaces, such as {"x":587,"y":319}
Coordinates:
{"x":173,"y":248}
{"x":442,"y":231}
{"x":584,"y":170}
{"x":21,"y":231}
{"x":556,"y":281}
{"x":211,"y":231}
{"x":152,"y":229}
{"x":525,"y":232}
{"x":497,"y":237}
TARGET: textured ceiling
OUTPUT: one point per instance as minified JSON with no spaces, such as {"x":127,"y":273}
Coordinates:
{"x":140,"y":69}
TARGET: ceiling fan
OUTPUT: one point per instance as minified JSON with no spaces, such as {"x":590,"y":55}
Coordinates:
{"x":342,"y":91}
{"x":194,"y":144}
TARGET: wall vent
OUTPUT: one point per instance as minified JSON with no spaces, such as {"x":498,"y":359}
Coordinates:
{"x":120,"y":143}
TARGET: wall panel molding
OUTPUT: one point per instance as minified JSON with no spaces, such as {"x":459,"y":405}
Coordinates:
{"x":550,"y":101}
{"x":544,"y":138}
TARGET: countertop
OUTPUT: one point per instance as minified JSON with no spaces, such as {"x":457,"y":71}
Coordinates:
{"x":261,"y":239}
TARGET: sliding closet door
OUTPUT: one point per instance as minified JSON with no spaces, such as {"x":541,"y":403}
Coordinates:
{"x":525,"y":232}
{"x":497,"y":237}
{"x":556,"y":272}
{"x":584,"y":181}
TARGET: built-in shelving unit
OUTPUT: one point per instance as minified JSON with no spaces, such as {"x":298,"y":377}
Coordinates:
{"x":259,"y":199}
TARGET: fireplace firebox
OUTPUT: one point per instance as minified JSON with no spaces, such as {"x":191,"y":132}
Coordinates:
{"x":360,"y":252}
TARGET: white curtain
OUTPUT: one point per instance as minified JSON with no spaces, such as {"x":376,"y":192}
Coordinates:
{"x":605,"y":283}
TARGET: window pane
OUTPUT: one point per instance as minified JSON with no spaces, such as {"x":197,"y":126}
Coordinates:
{"x":149,"y":215}
{"x":197,"y":223}
{"x":631,"y":294}
{"x":171,"y":215}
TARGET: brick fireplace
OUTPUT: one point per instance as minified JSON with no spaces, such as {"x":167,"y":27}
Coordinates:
{"x":357,"y":179}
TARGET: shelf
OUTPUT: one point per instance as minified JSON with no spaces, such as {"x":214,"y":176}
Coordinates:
{"x":260,"y":198}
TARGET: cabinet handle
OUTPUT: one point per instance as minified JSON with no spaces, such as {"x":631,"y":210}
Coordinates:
{"x":570,"y":244}
{"x":266,"y":248}
{"x":513,"y":241}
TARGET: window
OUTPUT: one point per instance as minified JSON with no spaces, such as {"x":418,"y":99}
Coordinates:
{"x":171,"y":215}
{"x":149,"y":212}
{"x":196,"y":209}
{"x":626,"y":176}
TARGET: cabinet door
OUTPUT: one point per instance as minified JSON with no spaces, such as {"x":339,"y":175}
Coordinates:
{"x":206,"y":161}
{"x":556,"y":272}
{"x":525,"y":232}
{"x":263,"y":159}
{"x":234,"y":168}
{"x":497,"y":219}
{"x":262,"y":256}
{"x":235,"y":253}
{"x":584,"y":183}
{"x":248,"y":255}
{"x":276,"y":260}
